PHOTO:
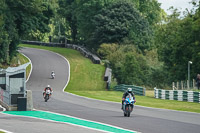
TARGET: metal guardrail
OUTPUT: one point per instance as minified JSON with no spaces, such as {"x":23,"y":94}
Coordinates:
{"x":180,"y":95}
{"x":95,"y":59}
{"x":136,"y":89}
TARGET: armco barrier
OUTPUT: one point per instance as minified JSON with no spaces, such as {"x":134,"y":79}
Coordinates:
{"x":180,"y":95}
{"x":83,"y":50}
{"x":136,"y":89}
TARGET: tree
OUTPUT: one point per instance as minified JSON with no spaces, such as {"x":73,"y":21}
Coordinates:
{"x":179,"y":43}
{"x":86,"y":11}
{"x":68,"y":11}
{"x":150,"y":9}
{"x":129,"y":66}
{"x":18,"y":19}
{"x":120,"y":21}
{"x":4,"y":40}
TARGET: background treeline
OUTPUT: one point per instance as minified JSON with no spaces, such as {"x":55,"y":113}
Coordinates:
{"x":136,"y":38}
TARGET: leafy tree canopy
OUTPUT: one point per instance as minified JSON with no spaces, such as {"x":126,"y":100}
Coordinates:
{"x":118,"y":22}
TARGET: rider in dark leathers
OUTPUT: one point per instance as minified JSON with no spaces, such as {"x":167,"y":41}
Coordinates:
{"x":47,"y":88}
{"x":129,"y":91}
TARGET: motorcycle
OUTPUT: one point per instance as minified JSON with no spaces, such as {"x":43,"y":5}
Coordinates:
{"x":47,"y":95}
{"x":128,"y":105}
{"x":53,"y":75}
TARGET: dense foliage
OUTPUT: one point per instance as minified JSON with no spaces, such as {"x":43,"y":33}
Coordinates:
{"x":18,"y":20}
{"x":142,"y":44}
{"x":179,"y":42}
{"x":130,"y":66}
{"x":118,"y":22}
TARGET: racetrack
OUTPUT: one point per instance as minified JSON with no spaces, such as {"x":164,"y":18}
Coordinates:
{"x":146,"y":120}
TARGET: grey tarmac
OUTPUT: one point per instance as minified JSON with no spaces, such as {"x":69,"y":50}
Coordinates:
{"x":146,"y":120}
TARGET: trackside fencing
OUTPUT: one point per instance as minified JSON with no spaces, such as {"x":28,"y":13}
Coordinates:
{"x":95,"y":59}
{"x":136,"y":89}
{"x":180,"y":95}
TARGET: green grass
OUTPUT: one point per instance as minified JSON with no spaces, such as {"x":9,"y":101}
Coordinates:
{"x":24,"y":60}
{"x":2,"y":132}
{"x":148,"y":101}
{"x":86,"y":80}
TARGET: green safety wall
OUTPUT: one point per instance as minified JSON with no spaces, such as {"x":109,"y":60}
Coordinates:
{"x":136,"y":89}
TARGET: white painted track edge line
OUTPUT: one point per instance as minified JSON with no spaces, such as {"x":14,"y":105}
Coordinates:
{"x":90,"y":121}
{"x":4,"y":109}
{"x":5,"y":131}
{"x":31,"y":66}
{"x":55,"y":121}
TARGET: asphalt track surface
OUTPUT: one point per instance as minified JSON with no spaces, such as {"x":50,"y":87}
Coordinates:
{"x":146,"y":120}
{"x":16,"y":124}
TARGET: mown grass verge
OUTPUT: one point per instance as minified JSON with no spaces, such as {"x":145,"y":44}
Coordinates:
{"x":86,"y":80}
{"x":24,"y":60}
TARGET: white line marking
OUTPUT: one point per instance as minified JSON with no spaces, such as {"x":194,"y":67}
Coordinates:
{"x":5,"y":131}
{"x":31,"y":66}
{"x":66,"y":122}
{"x":89,"y":121}
{"x":68,"y":70}
{"x":4,"y":109}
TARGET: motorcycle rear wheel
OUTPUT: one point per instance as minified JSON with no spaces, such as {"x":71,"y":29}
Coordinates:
{"x":46,"y":98}
{"x":128,"y":114}
{"x":125,"y":114}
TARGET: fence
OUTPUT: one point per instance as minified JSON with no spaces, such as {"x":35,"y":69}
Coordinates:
{"x":184,"y":85}
{"x":180,"y":95}
{"x":95,"y":59}
{"x":136,"y":89}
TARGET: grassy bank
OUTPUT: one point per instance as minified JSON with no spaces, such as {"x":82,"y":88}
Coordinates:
{"x":24,"y":60}
{"x":86,"y":80}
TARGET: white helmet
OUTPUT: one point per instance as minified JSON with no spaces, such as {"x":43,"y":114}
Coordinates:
{"x":129,"y":90}
{"x":48,"y":86}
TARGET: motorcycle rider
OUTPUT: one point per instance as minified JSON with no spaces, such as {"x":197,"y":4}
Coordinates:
{"x":129,"y":91}
{"x":53,"y":74}
{"x":47,"y":88}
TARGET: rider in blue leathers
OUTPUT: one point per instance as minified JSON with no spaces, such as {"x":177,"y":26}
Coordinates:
{"x":129,"y":91}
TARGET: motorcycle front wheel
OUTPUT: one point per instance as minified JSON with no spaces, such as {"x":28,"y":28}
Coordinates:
{"x":125,"y":114}
{"x":46,"y":98}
